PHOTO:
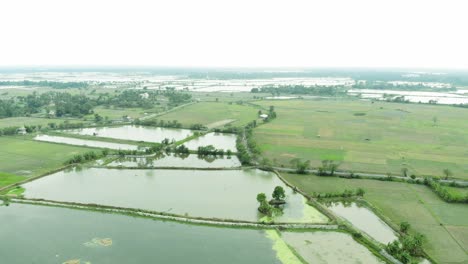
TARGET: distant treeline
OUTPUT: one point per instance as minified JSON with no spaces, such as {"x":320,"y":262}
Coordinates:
{"x":51,"y":84}
{"x":65,"y":104}
{"x":301,"y":89}
{"x":379,"y":85}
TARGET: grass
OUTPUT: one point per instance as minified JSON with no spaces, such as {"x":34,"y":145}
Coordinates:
{"x":387,"y":138}
{"x":22,"y":156}
{"x":443,"y":224}
{"x":207,"y":113}
{"x":7,"y":179}
{"x":32,"y":121}
{"x":118,"y":113}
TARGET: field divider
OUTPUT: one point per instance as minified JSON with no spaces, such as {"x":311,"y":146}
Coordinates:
{"x":168,"y":168}
{"x":174,"y":217}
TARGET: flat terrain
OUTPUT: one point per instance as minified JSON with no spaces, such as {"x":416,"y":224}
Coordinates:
{"x":31,"y":158}
{"x":207,"y":113}
{"x":31,"y":121}
{"x":443,"y":224}
{"x":362,"y":136}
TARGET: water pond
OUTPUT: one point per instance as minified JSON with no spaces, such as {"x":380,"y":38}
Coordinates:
{"x":179,"y":161}
{"x":413,"y":96}
{"x":228,"y":194}
{"x":218,"y":140}
{"x":77,"y":236}
{"x":365,"y":220}
{"x":137,"y":133}
{"x":329,"y":247}
{"x":85,"y":142}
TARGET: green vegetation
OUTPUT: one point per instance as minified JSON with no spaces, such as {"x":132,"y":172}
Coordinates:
{"x":7,"y":179}
{"x":210,"y":113}
{"x":443,"y":224}
{"x":449,"y":195}
{"x":389,"y":137}
{"x":209,"y":150}
{"x":409,"y":246}
{"x":22,"y":156}
{"x":278,"y":193}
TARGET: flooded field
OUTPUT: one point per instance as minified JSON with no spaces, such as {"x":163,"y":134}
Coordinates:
{"x":329,"y":247}
{"x":218,"y":140}
{"x":365,"y":220}
{"x":228,"y":194}
{"x":174,"y":160}
{"x":136,"y":133}
{"x":413,"y":96}
{"x":76,"y":236}
{"x":85,"y":142}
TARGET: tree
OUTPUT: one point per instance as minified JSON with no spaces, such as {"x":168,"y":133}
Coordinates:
{"x":301,"y":166}
{"x":261,"y":197}
{"x":447,"y":173}
{"x":404,"y":172}
{"x":404,"y":227}
{"x":97,"y":118}
{"x":434,"y":120}
{"x":360,"y":192}
{"x":278,"y":193}
{"x":264,"y":207}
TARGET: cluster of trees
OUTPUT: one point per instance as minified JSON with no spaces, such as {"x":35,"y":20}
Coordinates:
{"x":344,"y":194}
{"x":160,"y":123}
{"x":198,"y":127}
{"x":444,"y":193}
{"x":210,"y":150}
{"x":72,"y":105}
{"x":51,"y":84}
{"x":328,"y":167}
{"x":409,"y":247}
{"x":88,"y":156}
{"x":181,"y":149}
{"x":177,"y":98}
{"x":129,"y":99}
{"x":302,"y":89}
{"x":266,"y":207}
{"x":65,"y":104}
{"x":300,"y":165}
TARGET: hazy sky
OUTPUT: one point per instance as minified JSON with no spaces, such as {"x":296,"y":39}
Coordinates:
{"x":251,"y":33}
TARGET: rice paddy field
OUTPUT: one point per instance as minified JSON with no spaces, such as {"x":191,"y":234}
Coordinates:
{"x":363,"y":136}
{"x":212,"y":114}
{"x":24,"y":157}
{"x":31,"y":121}
{"x":444,"y":225}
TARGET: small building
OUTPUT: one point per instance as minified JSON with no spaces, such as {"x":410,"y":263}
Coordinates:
{"x":263,"y":116}
{"x":21,"y":131}
{"x":144,"y":96}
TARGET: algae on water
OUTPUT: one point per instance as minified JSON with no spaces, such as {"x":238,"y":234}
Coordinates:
{"x":283,"y":252}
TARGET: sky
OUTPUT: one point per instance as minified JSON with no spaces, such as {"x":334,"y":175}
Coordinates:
{"x":237,"y":33}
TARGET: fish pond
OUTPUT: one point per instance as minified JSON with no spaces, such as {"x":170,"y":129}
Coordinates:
{"x":136,"y":133}
{"x":42,"y":234}
{"x":178,"y":160}
{"x":364,"y":219}
{"x":328,"y":247}
{"x":227,"y":194}
{"x":218,"y":140}
{"x":85,"y":142}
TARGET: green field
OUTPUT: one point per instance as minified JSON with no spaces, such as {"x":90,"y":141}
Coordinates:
{"x":7,"y":179}
{"x":375,"y":137}
{"x":32,"y":121}
{"x":207,"y":113}
{"x":32,"y":158}
{"x":444,"y":224}
{"x":118,"y":113}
